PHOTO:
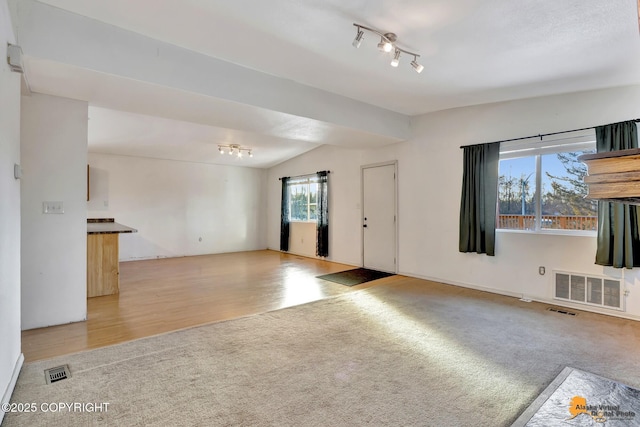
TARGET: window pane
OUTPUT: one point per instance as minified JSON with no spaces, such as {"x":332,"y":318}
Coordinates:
{"x":563,"y":193}
{"x":313,"y":212}
{"x":516,"y":192}
{"x":298,"y":201}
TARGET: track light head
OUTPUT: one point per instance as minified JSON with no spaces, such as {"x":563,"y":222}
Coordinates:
{"x":358,"y":40}
{"x":386,"y":42}
{"x":416,"y":66}
{"x":396,"y":59}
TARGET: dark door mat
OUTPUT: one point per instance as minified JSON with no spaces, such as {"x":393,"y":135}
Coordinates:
{"x":355,"y":277}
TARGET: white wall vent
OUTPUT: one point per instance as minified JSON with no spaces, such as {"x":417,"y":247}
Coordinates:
{"x":598,"y":291}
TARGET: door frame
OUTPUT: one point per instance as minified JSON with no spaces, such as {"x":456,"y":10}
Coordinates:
{"x":393,"y":163}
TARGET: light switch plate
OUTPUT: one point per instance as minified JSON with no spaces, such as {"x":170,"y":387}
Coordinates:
{"x":52,"y":207}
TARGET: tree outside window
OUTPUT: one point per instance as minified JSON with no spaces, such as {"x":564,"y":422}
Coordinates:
{"x":303,"y":200}
{"x":545,"y":191}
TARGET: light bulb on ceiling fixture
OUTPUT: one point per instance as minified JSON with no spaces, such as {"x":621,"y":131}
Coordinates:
{"x":416,"y":66}
{"x":396,"y":59}
{"x":250,"y":154}
{"x":358,"y":40}
{"x":231,"y":151}
{"x":239,"y":153}
{"x":385,"y":45}
{"x":221,"y":150}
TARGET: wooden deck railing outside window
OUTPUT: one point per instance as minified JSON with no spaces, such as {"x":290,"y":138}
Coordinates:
{"x":555,"y":222}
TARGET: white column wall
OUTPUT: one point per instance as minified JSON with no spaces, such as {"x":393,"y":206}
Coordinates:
{"x":429,"y":185}
{"x":10,"y":353}
{"x":54,"y":246}
{"x":178,"y":208}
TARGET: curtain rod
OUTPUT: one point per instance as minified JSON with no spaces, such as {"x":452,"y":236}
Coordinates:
{"x":300,"y":176}
{"x":542,"y":135}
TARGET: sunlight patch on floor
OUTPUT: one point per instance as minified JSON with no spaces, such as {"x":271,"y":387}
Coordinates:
{"x":300,"y":288}
{"x":445,"y":353}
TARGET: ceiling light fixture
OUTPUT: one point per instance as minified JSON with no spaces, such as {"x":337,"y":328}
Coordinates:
{"x":236,"y":149}
{"x":387,"y":44}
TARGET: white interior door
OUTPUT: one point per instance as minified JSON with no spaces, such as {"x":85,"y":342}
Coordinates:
{"x":379,"y":217}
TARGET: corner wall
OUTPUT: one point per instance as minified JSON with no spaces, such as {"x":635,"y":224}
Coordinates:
{"x":179,"y":208}
{"x":54,"y":246}
{"x":10,"y":347}
{"x":429,"y":183}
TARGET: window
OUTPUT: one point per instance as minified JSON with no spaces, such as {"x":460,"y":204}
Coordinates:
{"x":303,"y":199}
{"x":540,"y":184}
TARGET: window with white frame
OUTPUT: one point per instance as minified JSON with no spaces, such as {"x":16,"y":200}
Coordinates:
{"x":303,"y":199}
{"x":540,"y":184}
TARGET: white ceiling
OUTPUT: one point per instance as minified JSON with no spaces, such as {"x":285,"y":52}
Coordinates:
{"x":473,"y":52}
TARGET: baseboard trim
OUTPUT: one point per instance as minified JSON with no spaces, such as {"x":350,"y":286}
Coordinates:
{"x":329,"y":259}
{"x":463,"y":285}
{"x":6,"y":397}
{"x":616,"y":313}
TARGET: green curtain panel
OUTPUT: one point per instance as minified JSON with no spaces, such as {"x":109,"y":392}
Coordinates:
{"x":322,"y":244}
{"x":284,"y":215}
{"x":618,"y":240}
{"x":479,"y":198}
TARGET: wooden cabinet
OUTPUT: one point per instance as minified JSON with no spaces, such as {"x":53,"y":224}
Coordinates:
{"x":102,"y":265}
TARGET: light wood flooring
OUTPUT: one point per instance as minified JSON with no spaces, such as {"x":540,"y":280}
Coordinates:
{"x":159,"y":296}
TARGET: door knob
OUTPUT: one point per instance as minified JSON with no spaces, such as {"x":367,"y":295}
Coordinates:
{"x":364,"y":225}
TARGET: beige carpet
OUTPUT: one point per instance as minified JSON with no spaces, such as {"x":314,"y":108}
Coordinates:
{"x":416,"y":354}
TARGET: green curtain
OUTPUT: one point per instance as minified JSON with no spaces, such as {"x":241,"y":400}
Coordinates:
{"x":479,"y":198}
{"x":618,"y":240}
{"x":322,"y":224}
{"x":284,"y":215}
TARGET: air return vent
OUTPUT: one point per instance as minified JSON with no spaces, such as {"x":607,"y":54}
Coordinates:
{"x":591,"y":290}
{"x":59,"y":373}
{"x":557,"y":310}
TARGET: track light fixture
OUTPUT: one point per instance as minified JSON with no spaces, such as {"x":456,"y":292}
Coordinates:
{"x":236,"y":149}
{"x":387,"y":44}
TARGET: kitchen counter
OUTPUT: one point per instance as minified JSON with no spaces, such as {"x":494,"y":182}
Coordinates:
{"x":103,"y":266}
{"x":107,"y":226}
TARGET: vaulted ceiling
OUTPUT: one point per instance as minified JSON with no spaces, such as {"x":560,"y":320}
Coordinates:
{"x":172,"y":79}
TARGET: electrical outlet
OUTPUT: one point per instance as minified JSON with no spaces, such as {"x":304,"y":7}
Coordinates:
{"x":541,"y":270}
{"x":52,"y":207}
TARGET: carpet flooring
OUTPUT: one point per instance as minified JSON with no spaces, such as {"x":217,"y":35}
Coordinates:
{"x":354,"y":277}
{"x":414,"y":353}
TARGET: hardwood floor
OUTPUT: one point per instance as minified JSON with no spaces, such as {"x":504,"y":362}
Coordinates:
{"x":159,"y":296}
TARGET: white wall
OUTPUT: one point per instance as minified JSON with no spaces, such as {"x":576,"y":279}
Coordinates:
{"x":303,"y":238}
{"x":10,"y":354}
{"x":178,"y":208}
{"x":429,"y":182}
{"x":54,"y":246}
